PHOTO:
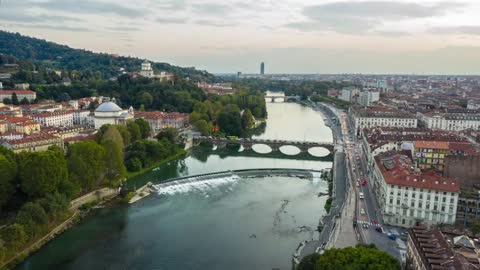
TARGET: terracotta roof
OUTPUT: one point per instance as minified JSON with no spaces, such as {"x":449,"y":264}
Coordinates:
{"x":398,"y":169}
{"x":49,"y":114}
{"x":431,"y":144}
{"x":33,"y":138}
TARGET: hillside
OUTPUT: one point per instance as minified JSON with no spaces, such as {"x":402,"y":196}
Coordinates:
{"x":50,"y":54}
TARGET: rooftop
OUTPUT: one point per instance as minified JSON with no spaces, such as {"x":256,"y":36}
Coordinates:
{"x":108,"y":107}
{"x":398,"y":169}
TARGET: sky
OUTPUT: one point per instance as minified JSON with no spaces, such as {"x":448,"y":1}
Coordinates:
{"x":290,"y":36}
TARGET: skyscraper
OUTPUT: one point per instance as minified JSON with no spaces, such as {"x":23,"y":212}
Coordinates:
{"x":262,"y":68}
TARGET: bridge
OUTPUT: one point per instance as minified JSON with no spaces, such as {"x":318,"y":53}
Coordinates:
{"x":273,"y":144}
{"x":284,"y":98}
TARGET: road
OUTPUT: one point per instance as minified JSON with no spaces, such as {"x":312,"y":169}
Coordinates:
{"x":339,"y":193}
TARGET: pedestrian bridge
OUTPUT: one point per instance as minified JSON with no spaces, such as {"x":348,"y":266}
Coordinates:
{"x":275,"y":145}
{"x":274,"y":98}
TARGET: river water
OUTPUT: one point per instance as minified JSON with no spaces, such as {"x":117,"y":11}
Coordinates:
{"x":237,"y":224}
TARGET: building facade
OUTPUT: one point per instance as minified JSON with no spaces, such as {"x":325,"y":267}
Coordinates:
{"x":451,"y":121}
{"x":111,"y":113}
{"x":367,"y":98}
{"x":380,"y":117}
{"x":407,"y":196}
{"x":21,"y":94}
{"x":54,"y":119}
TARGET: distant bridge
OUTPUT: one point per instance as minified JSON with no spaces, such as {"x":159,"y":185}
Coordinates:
{"x":273,"y":144}
{"x":284,"y":98}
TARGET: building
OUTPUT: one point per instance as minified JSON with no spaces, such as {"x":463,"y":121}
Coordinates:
{"x":54,"y":119}
{"x":432,"y":154}
{"x":347,"y":94}
{"x":429,"y":248}
{"x":33,"y":143}
{"x":451,"y":121}
{"x":82,"y":117}
{"x":21,"y":94}
{"x":146,"y":70}
{"x":27,"y":127}
{"x":262,"y":68}
{"x":160,"y":120}
{"x":368,"y":97}
{"x":377,"y":116}
{"x":110,"y":113}
{"x":408,"y":196}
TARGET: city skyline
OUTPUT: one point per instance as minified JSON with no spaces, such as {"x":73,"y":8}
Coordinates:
{"x":378,"y":37}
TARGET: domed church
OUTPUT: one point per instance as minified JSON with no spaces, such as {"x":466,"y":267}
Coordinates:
{"x":111,"y":113}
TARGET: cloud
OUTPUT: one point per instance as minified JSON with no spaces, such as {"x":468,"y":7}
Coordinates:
{"x":90,"y":7}
{"x":465,"y":29}
{"x":23,"y":17}
{"x":213,"y":23}
{"x":123,"y":28}
{"x":171,"y":20}
{"x":211,"y":9}
{"x":360,"y":17}
{"x":51,"y":27}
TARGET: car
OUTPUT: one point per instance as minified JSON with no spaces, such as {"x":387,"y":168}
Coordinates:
{"x":362,"y":211}
{"x":357,"y":184}
{"x":360,"y":195}
{"x":392,"y":236}
{"x":379,"y":229}
{"x":365,"y":225}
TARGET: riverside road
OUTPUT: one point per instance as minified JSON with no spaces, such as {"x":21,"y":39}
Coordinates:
{"x":340,"y":185}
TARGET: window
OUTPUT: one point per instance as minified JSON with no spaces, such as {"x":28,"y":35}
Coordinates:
{"x":419,"y":204}
{"x":444,"y":199}
{"x":391,"y":200}
{"x":413,"y":204}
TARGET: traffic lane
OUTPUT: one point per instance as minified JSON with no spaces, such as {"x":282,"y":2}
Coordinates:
{"x":382,"y":242}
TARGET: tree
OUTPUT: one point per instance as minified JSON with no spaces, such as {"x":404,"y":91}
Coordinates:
{"x":86,"y":164}
{"x":14,"y":99}
{"x":145,"y":98}
{"x":7,"y":101}
{"x":360,"y":257}
{"x":230,"y":121}
{"x":134,"y":164}
{"x":126,"y":137}
{"x":134,"y":130}
{"x":112,"y":133}
{"x":24,"y":101}
{"x":8,"y":171}
{"x":247,"y":119}
{"x":42,"y":173}
{"x":170,"y":134}
{"x":115,"y":170}
{"x":308,"y":262}
{"x":34,"y":211}
{"x":203,"y":127}
{"x":144,"y":127}
{"x":14,"y":236}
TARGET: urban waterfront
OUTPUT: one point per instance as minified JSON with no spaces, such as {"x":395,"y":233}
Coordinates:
{"x":253,"y":223}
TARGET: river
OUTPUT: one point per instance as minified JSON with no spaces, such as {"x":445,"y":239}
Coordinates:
{"x":251,"y":223}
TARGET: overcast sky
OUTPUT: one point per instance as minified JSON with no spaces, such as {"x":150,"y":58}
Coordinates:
{"x":290,"y":36}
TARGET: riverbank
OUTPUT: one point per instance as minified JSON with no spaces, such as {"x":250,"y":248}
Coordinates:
{"x":180,"y":153}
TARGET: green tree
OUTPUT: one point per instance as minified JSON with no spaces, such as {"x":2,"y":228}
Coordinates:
{"x":24,"y":101}
{"x":8,"y":170}
{"x":126,"y":137}
{"x":42,"y":173}
{"x":230,"y":121}
{"x":133,"y":164}
{"x":3,"y":251}
{"x":247,"y":119}
{"x":15,"y":99}
{"x":170,"y":134}
{"x":360,"y":257}
{"x":144,"y":127}
{"x":134,"y":130}
{"x":115,"y":169}
{"x":203,"y":127}
{"x":145,"y":98}
{"x":308,"y":262}
{"x":14,"y":236}
{"x":112,"y":133}
{"x":86,"y":164}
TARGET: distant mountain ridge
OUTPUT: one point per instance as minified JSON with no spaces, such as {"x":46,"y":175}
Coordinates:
{"x":63,"y":57}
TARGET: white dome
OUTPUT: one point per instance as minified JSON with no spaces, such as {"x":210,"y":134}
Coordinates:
{"x":108,"y":107}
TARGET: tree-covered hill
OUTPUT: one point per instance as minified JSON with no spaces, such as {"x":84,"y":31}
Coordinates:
{"x":66,"y":58}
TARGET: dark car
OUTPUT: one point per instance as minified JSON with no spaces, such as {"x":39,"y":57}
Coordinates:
{"x":379,"y":229}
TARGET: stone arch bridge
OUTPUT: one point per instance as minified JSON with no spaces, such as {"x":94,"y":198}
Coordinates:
{"x":273,"y":98}
{"x":273,"y":144}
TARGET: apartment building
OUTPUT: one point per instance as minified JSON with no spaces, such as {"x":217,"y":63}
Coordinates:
{"x":451,"y":121}
{"x":407,"y":196}
{"x":377,"y":116}
{"x":54,"y":119}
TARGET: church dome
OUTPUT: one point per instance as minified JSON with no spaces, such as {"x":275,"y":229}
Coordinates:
{"x":108,"y":107}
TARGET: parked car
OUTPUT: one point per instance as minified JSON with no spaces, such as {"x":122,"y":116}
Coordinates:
{"x":361,"y":195}
{"x":362,"y":211}
{"x":392,"y":236}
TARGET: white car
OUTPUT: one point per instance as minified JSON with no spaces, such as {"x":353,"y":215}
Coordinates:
{"x":360,"y":195}
{"x":362,"y":211}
